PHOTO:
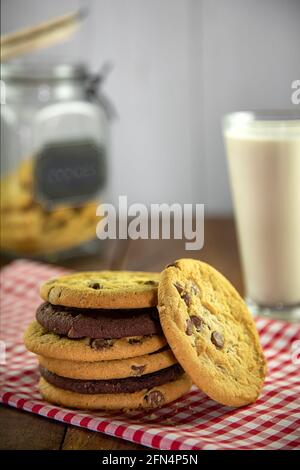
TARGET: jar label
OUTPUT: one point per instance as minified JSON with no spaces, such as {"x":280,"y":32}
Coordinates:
{"x":71,"y":172}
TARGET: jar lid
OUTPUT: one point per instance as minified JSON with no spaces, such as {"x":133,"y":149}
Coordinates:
{"x":37,"y":71}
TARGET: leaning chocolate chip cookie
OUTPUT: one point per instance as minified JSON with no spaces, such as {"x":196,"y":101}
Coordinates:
{"x":103,"y":289}
{"x":211,"y":332}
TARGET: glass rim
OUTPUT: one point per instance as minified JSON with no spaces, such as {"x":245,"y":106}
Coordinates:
{"x":271,"y":116}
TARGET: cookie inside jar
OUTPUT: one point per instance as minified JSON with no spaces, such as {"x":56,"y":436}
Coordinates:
{"x":31,"y":228}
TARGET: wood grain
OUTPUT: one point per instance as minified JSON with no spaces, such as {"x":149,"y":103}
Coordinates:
{"x":82,"y":439}
{"x":110,"y":256}
{"x":220,"y":250}
{"x":25,"y":431}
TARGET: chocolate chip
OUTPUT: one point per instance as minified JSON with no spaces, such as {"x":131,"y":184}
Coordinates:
{"x":134,"y":340}
{"x":197,"y":322}
{"x":192,"y":322}
{"x":154,"y":399}
{"x":179,"y":287}
{"x":172,"y":265}
{"x":138,"y":370}
{"x":187,"y":299}
{"x":151,"y":282}
{"x":95,"y":285}
{"x":217,"y":339}
{"x":100,"y":343}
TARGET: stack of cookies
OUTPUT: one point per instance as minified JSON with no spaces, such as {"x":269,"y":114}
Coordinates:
{"x":100,"y":344}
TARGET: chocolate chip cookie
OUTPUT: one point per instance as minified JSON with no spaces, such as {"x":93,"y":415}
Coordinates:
{"x":103,"y":289}
{"x":100,"y":343}
{"x":45,"y":343}
{"x":106,"y":370}
{"x":211,"y":332}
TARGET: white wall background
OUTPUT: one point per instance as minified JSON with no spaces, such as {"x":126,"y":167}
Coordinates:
{"x":179,"y":65}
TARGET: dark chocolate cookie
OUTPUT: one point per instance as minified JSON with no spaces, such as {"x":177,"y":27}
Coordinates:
{"x":128,"y":385}
{"x":143,"y":399}
{"x":98,"y":323}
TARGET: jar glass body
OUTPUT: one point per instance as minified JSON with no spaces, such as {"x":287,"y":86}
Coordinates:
{"x":54,"y":138}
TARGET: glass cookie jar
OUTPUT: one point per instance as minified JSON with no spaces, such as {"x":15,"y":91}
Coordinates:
{"x":54,"y":139}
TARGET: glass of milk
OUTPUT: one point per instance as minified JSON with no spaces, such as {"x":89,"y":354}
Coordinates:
{"x":263,"y":151}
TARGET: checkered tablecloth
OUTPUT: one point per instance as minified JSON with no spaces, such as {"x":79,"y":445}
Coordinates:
{"x":192,"y":422}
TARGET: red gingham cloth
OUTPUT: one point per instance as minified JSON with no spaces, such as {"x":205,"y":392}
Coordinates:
{"x":192,"y":422}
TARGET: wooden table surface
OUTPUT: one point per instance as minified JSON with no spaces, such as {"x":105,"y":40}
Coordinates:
{"x":22,"y":430}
